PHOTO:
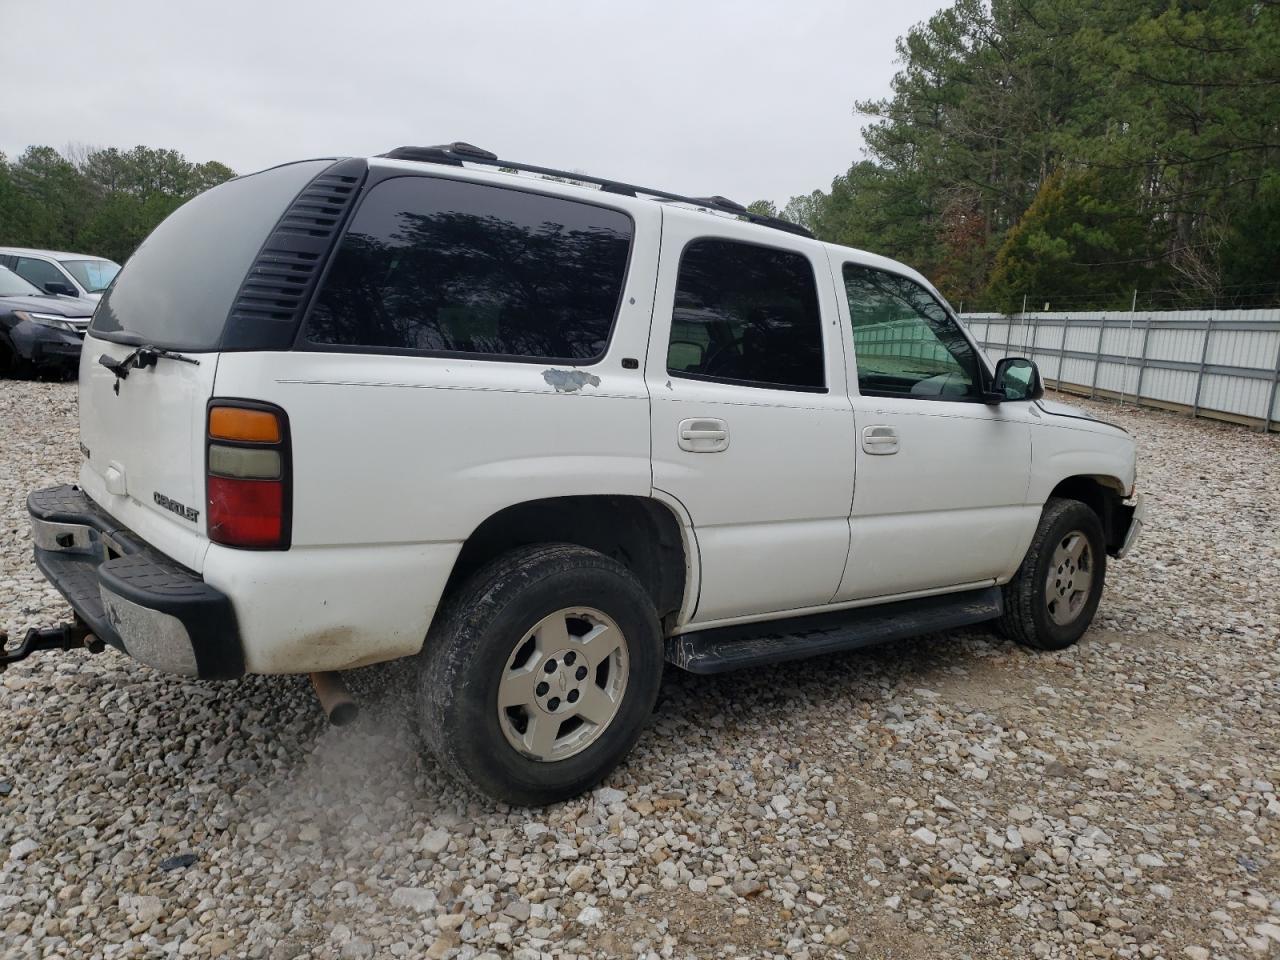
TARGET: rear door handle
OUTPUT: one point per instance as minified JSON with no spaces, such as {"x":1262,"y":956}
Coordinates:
{"x":879,"y":440}
{"x":703,"y":435}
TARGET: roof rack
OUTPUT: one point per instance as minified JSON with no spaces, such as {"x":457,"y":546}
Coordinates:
{"x":456,"y":154}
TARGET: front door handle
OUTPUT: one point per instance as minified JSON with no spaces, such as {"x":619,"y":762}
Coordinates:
{"x":703,"y":435}
{"x":879,"y":440}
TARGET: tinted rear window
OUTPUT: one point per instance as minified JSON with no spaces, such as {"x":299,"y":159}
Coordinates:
{"x":178,"y":287}
{"x":747,"y":315}
{"x":442,"y":266}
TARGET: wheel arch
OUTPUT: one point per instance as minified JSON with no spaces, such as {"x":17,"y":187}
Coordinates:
{"x":645,"y":535}
{"x":1102,"y":494}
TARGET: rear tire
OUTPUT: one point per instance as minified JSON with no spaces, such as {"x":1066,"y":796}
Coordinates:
{"x":539,"y":674}
{"x":1051,"y":600}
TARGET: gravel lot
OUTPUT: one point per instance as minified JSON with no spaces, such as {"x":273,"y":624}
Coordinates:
{"x":955,"y":796}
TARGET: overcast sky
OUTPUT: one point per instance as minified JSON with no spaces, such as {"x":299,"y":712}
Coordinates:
{"x":748,"y":99}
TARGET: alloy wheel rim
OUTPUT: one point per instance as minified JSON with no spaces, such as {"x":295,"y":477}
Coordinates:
{"x":563,"y":684}
{"x":1070,"y":579}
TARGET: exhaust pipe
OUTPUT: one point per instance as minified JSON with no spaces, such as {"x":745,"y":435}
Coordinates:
{"x":335,"y":699}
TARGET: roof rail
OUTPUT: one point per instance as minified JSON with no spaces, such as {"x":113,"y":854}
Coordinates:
{"x":458,"y":153}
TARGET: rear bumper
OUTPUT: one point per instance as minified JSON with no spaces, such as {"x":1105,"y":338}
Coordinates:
{"x":131,"y":595}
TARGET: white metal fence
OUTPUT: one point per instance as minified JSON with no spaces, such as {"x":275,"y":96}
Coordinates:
{"x":1216,"y":363}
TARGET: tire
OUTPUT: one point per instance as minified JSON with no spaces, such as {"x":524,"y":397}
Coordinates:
{"x":1046,"y":606}
{"x":501,"y":633}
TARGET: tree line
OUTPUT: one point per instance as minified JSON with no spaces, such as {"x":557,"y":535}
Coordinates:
{"x":96,"y":201}
{"x":1074,"y":153}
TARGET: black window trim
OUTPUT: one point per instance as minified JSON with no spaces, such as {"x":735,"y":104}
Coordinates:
{"x":753,"y":384}
{"x":303,"y":343}
{"x":984,"y":374}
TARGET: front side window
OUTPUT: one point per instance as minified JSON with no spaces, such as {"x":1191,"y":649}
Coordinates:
{"x":748,"y":315}
{"x":437,"y":265}
{"x":39,"y":272}
{"x":906,"y":344}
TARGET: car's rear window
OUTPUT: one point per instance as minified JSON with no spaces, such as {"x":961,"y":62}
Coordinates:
{"x":431,"y":265}
{"x":178,"y":287}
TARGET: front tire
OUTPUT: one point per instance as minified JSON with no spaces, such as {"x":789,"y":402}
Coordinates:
{"x":1051,"y":600}
{"x":539,"y":674}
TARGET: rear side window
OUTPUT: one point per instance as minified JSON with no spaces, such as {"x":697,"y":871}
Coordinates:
{"x":748,"y":315}
{"x":178,"y":287}
{"x":443,"y":266}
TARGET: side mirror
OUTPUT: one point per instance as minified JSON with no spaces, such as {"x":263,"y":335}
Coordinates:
{"x":1017,"y":378}
{"x":58,"y":287}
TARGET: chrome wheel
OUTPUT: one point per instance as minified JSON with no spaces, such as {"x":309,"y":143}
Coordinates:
{"x":563,"y":684}
{"x":1070,"y":579}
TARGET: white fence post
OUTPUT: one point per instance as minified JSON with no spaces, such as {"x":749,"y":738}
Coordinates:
{"x":1062,"y":352}
{"x":1204,"y":353}
{"x":1271,"y":396}
{"x":1128,"y":351}
{"x":1142,"y":362}
{"x":1097,"y":356}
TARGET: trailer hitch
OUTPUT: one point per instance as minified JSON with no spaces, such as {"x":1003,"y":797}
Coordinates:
{"x":65,"y":636}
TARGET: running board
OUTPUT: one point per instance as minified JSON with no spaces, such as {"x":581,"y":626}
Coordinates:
{"x":775,"y":641}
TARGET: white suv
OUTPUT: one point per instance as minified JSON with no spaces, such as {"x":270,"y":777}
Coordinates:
{"x":542,"y":436}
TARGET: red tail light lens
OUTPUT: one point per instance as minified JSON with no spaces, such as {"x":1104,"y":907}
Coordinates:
{"x":248,"y":482}
{"x":246,"y":513}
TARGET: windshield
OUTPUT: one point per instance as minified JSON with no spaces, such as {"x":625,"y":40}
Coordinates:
{"x":94,"y":275}
{"x":12,"y":285}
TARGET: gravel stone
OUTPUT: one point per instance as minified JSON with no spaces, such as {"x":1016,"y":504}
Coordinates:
{"x":949,"y":796}
{"x":580,"y":876}
{"x":609,"y":795}
{"x":414,"y":898}
{"x":22,"y":848}
{"x":436,"y":842}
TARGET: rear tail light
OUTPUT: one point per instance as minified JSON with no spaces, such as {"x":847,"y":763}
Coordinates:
{"x":244,"y":423}
{"x":248,"y":482}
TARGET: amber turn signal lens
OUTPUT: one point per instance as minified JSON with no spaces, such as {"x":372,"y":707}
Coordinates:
{"x":237,"y":423}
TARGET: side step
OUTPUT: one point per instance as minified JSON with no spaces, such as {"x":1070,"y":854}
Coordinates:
{"x":775,"y":641}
